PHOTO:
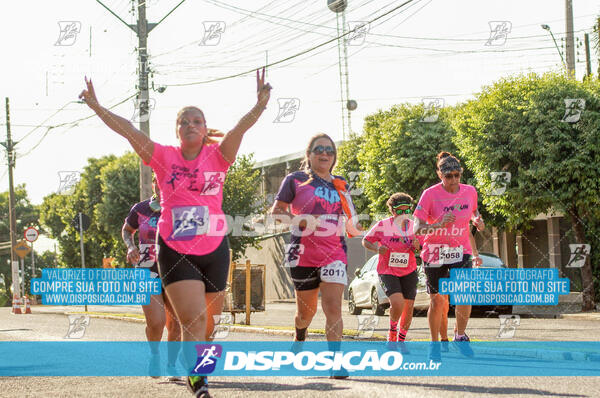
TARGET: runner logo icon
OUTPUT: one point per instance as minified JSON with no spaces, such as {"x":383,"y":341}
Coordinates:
{"x":207,"y":358}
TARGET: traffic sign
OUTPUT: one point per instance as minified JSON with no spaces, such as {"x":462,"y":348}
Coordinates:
{"x":22,"y":248}
{"x":85,"y":220}
{"x":31,"y":234}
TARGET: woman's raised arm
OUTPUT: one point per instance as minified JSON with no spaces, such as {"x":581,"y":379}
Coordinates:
{"x":141,"y":143}
{"x":232,"y":141}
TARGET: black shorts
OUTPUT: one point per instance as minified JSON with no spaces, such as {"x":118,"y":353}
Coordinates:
{"x":435,"y":272}
{"x":153,"y":269}
{"x":309,"y":278}
{"x":212,"y":268}
{"x":306,"y":278}
{"x":406,"y":285}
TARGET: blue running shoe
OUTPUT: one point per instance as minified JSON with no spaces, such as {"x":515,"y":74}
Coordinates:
{"x":463,"y":345}
{"x":445,"y":346}
{"x":435,"y":351}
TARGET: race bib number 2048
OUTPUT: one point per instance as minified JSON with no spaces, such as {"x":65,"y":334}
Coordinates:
{"x":398,"y":260}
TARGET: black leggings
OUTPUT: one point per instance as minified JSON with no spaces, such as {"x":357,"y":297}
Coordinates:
{"x":211,"y":268}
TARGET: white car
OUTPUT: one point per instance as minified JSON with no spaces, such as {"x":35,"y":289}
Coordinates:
{"x":366,"y":291}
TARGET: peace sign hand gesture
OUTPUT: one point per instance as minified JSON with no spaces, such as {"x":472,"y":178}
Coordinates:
{"x":263,"y":90}
{"x":89,"y":95}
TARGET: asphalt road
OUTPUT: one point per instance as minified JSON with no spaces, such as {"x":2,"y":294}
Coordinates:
{"x":40,"y":327}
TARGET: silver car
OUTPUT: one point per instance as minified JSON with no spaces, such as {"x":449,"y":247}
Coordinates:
{"x":366,"y":291}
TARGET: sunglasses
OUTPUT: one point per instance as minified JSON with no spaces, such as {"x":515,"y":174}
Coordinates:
{"x":320,"y":149}
{"x":451,"y":175}
{"x":398,"y":210}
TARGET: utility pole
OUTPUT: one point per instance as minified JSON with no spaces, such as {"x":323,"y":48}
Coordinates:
{"x":570,"y":43}
{"x":142,"y":31}
{"x":142,"y":28}
{"x":9,"y":145}
{"x":588,"y":60}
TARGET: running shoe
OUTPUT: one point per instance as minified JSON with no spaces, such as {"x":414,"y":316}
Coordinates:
{"x":403,"y":348}
{"x":172,"y":373}
{"x":339,"y":374}
{"x":435,"y":351}
{"x":154,"y":366}
{"x":463,"y":345}
{"x":445,"y":346}
{"x":198,"y":385}
{"x":392,"y":336}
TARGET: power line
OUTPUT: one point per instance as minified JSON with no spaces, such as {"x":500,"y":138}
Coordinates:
{"x":74,"y":123}
{"x":290,"y":57}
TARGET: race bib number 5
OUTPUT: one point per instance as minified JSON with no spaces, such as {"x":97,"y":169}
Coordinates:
{"x":451,"y":255}
{"x":189,"y":221}
{"x":398,"y":260}
{"x":334,"y":273}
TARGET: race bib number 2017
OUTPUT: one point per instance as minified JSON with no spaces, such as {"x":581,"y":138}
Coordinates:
{"x":189,"y":221}
{"x":334,"y":273}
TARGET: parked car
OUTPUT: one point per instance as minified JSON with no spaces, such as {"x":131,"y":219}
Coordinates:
{"x":365,"y":291}
{"x":489,"y":261}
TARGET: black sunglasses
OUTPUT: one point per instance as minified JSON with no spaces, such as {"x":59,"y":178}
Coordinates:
{"x":320,"y":149}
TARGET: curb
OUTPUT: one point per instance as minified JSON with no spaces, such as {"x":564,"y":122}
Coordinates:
{"x":524,"y":353}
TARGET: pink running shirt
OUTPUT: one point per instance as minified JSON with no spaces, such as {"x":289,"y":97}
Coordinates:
{"x":191,"y":194}
{"x":398,"y":241}
{"x":434,"y":203}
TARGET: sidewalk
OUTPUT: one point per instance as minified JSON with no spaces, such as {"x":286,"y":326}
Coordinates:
{"x":279,"y":319}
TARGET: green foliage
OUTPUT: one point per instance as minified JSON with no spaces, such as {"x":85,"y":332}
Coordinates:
{"x":27,"y":215}
{"x":397,"y":153}
{"x":516,"y":125}
{"x":241,"y":199}
{"x":120,"y":187}
{"x":347,"y":162}
{"x":108,"y":188}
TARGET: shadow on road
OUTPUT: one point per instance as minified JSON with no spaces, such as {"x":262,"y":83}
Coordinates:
{"x":505,"y":390}
{"x":257,"y":386}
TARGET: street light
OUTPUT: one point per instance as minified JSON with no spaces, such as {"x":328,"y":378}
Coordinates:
{"x":547,"y":27}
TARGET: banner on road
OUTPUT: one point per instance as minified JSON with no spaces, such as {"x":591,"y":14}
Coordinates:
{"x":281,"y":358}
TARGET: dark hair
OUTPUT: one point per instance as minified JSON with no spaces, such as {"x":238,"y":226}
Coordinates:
{"x":443,"y":157}
{"x":397,"y":198}
{"x":191,"y":108}
{"x":306,"y":166}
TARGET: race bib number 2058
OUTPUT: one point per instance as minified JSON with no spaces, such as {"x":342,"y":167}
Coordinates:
{"x":451,"y":255}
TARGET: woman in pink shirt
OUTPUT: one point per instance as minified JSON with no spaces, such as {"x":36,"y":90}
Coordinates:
{"x":193,"y":253}
{"x":393,"y":239}
{"x":443,"y":216}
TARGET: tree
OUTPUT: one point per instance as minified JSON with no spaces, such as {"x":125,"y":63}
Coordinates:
{"x":106,"y":192}
{"x":27,"y":215}
{"x":516,"y":125}
{"x":242,"y":199}
{"x":120,"y":187}
{"x":58,"y":211}
{"x":347,"y":163}
{"x":397,"y":152}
